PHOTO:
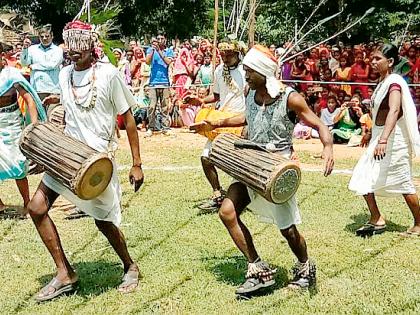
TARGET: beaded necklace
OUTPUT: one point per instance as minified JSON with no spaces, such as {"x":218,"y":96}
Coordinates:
{"x":90,"y":102}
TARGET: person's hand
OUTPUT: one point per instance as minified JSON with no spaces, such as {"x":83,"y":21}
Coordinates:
{"x":203,"y":126}
{"x":51,"y":99}
{"x":379,"y":152}
{"x":136,"y":177}
{"x":27,"y":42}
{"x":365,"y":140}
{"x":193,"y":100}
{"x":327,"y":155}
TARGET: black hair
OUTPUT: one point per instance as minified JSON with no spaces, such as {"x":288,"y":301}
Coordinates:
{"x":390,"y":51}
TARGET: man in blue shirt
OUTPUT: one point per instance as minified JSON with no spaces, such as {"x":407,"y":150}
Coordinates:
{"x":159,"y":58}
{"x":44,"y":60}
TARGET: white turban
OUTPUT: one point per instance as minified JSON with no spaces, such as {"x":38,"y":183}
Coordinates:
{"x":262,"y":61}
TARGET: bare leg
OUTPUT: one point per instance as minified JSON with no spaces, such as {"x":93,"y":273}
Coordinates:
{"x":296,"y":243}
{"x":375,"y":216}
{"x":2,"y":206}
{"x":38,"y":209}
{"x":235,"y":202}
{"x":211,"y":174}
{"x":23,"y":187}
{"x":412,"y":201}
{"x":117,"y":241}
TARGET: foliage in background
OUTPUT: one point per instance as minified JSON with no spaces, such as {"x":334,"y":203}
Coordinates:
{"x":275,"y":20}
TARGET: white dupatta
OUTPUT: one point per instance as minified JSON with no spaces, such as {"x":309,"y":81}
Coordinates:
{"x":407,"y":105}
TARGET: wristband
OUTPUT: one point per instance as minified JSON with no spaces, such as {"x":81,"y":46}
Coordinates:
{"x":137,"y":165}
{"x":382,"y":141}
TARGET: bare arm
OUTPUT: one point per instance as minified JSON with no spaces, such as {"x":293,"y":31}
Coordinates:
{"x":31,"y":106}
{"x":136,"y":173}
{"x":297,"y":104}
{"x":235,"y":121}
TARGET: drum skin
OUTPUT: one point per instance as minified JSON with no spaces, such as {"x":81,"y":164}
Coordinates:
{"x":80,"y":168}
{"x":273,"y":176}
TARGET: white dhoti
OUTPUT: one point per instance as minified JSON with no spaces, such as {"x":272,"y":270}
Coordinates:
{"x":392,"y":174}
{"x":105,"y":207}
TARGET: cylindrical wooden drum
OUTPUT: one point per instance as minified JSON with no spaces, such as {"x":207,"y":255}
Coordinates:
{"x":83,"y":170}
{"x":213,"y":115}
{"x":272,"y":176}
{"x":56,"y":116}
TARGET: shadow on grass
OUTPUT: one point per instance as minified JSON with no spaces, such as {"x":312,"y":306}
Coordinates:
{"x":12,"y":213}
{"x":362,"y":218}
{"x":231,"y":270}
{"x":95,"y":277}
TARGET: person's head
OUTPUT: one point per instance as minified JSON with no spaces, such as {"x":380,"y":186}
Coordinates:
{"x":332,"y":103}
{"x":359,"y":58}
{"x":314,"y":53}
{"x":117,"y":53}
{"x":132,"y":44}
{"x":327,"y":74}
{"x":79,"y":39}
{"x":260,"y":67}
{"x":202,"y":92}
{"x":207,"y":59}
{"x":325,"y":91}
{"x":129,"y":54}
{"x":194,"y":51}
{"x":336,"y":53}
{"x":199,"y":59}
{"x":370,"y":91}
{"x":340,"y":96}
{"x":355,"y":100}
{"x":230,"y":51}
{"x":45,"y":35}
{"x":146,"y":90}
{"x":186,"y":44}
{"x":273,"y":49}
{"x":384,"y":59}
{"x":412,"y":52}
{"x":323,"y":61}
{"x":343,"y":62}
{"x":161,"y":39}
{"x":18,"y":47}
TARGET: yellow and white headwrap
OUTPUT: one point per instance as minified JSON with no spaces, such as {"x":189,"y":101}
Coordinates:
{"x":260,"y":59}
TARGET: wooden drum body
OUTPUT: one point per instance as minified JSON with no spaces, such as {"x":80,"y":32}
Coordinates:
{"x":272,"y":176}
{"x":213,"y":115}
{"x":56,"y":116}
{"x":83,"y":170}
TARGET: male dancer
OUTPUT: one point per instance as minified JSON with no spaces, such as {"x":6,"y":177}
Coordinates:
{"x":270,"y":114}
{"x":92,"y":95}
{"x":229,"y":84}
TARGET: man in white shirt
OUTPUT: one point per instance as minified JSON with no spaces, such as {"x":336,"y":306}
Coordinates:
{"x":92,"y":94}
{"x":45,"y":61}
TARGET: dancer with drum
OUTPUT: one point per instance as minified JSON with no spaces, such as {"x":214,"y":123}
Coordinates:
{"x":228,"y":92}
{"x":13,"y":164}
{"x":92,"y":95}
{"x":271,"y":113}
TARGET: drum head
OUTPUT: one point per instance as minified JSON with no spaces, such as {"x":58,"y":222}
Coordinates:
{"x":93,"y":177}
{"x":286,"y":183}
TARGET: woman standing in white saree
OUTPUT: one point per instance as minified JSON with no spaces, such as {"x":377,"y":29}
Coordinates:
{"x":385,"y":167}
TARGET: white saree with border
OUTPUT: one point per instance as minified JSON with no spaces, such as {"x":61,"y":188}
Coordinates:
{"x":392,"y":174}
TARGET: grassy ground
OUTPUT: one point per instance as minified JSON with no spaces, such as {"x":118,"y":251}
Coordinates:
{"x":190,"y":265}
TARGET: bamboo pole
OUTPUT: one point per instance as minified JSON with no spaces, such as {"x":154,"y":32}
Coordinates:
{"x":216,"y":20}
{"x":251,"y":31}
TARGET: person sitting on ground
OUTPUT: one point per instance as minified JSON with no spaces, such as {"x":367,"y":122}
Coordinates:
{"x":348,"y":121}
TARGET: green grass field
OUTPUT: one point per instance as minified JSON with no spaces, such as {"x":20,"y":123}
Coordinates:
{"x":189,"y":263}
